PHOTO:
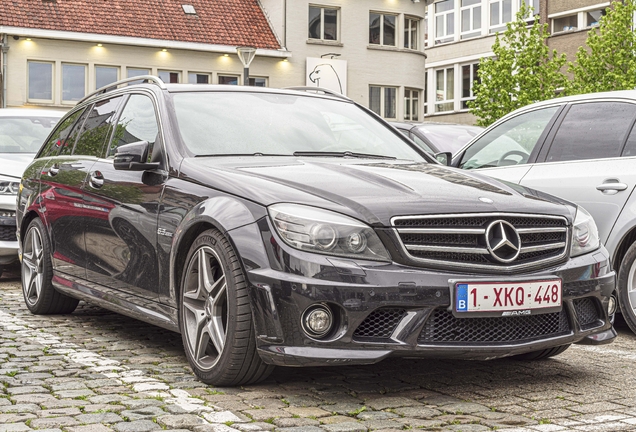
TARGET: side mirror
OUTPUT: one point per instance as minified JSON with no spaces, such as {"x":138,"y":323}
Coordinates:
{"x":444,"y":158}
{"x":133,"y":157}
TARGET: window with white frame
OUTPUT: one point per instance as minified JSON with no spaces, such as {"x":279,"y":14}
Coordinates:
{"x":383,"y":101}
{"x":565,"y":23}
{"x":445,"y":89}
{"x":444,"y":21}
{"x":228,"y":79}
{"x":570,"y":21}
{"x":593,"y":17}
{"x":198,"y":78}
{"x":426,"y":29}
{"x":425,"y":93}
{"x":470,"y":15}
{"x":169,"y":77}
{"x":382,"y":29}
{"x":500,"y":14}
{"x":323,"y":23}
{"x":258,"y":81}
{"x":105,"y":75}
{"x":411,"y":104}
{"x":411,"y":34}
{"x":469,"y":77}
{"x":40,"y":81}
{"x":73,"y":82}
{"x":135,"y":72}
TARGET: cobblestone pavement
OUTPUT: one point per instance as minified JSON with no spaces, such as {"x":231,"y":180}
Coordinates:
{"x":98,"y":371}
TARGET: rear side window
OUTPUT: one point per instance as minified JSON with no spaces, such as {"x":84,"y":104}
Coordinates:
{"x":97,"y":128}
{"x":138,"y":122}
{"x":59,"y":137}
{"x":66,"y":146}
{"x":592,"y":130}
{"x":510,"y":143}
{"x":630,"y":146}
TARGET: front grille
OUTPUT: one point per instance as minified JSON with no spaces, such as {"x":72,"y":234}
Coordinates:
{"x":7,"y":233}
{"x":460,"y":240}
{"x":587,"y":312}
{"x":444,"y":329}
{"x":380,"y":323}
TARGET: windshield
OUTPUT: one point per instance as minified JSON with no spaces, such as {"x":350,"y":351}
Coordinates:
{"x":449,"y":138}
{"x":24,"y":134}
{"x":233,"y":123}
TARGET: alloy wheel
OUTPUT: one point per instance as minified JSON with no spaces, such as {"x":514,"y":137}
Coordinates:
{"x":631,"y":287}
{"x":205,"y":308}
{"x":32,"y":266}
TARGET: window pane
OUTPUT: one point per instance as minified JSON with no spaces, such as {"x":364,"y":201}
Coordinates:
{"x":73,"y":82}
{"x":195,"y":78}
{"x":230,"y":80}
{"x":465,"y":20}
{"x":444,"y":6}
{"x":466,"y":81}
{"x":507,"y":11}
{"x":389,"y":30}
{"x":136,"y":123}
{"x":331,"y":24}
{"x":374,"y":100}
{"x":137,"y":72}
{"x":97,"y":128}
{"x":415,"y":106}
{"x":630,"y":146}
{"x":40,"y":81}
{"x":169,"y":77}
{"x":314,"y":23}
{"x":66,"y":146}
{"x":60,"y":135}
{"x":470,"y":2}
{"x":105,"y":75}
{"x":477,"y":18}
{"x":439,"y":85}
{"x":450,"y":84}
{"x":414,"y":36}
{"x":390,"y":101}
{"x":519,"y":133}
{"x":494,"y":14}
{"x":584,"y":134}
{"x":450,"y":24}
{"x":439,"y":26}
{"x":258,"y":82}
{"x":374,"y":28}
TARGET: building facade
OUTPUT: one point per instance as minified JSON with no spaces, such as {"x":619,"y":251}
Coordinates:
{"x":57,"y":51}
{"x":461,"y":32}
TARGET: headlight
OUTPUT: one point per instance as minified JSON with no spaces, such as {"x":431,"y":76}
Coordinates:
{"x":8,"y":186}
{"x":584,"y":233}
{"x":316,"y":230}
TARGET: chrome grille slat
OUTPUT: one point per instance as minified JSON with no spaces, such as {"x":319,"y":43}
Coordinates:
{"x":459,"y":240}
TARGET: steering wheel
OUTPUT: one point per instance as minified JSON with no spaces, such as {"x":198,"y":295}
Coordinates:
{"x":504,"y":157}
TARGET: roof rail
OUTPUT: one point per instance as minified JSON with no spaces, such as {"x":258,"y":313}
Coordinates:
{"x":113,"y":86}
{"x":319,"y":89}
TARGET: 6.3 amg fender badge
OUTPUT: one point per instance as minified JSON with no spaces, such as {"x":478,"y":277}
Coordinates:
{"x":163,"y":232}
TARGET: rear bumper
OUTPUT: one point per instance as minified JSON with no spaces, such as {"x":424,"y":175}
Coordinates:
{"x":285,"y":282}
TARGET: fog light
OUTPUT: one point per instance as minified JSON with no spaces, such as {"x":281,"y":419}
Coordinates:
{"x":317,"y":321}
{"x":611,"y":305}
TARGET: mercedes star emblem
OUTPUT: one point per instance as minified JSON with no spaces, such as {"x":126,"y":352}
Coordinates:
{"x":503,"y":241}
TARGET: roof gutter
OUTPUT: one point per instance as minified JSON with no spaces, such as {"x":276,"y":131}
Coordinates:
{"x":4,"y":46}
{"x":133,"y":41}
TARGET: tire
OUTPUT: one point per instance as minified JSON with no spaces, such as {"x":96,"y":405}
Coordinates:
{"x":216,"y":321}
{"x":627,"y":287}
{"x":541,"y":354}
{"x":37,"y":271}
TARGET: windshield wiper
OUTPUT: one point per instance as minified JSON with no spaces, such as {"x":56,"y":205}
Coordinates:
{"x":238,"y":154}
{"x":342,"y":154}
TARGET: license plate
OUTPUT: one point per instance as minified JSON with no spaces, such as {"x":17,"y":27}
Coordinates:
{"x":524,"y":296}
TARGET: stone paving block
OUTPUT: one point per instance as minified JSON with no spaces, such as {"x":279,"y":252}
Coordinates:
{"x":142,"y":413}
{"x":302,"y":401}
{"x":140,"y":403}
{"x":74,"y":393}
{"x":295,"y":422}
{"x":63,"y":403}
{"x":14,"y":427}
{"x":223,"y":417}
{"x":88,"y":428}
{"x":180,"y":421}
{"x":266,"y":414}
{"x":15,"y":417}
{"x":391,"y":402}
{"x":15,"y":391}
{"x":107,"y":417}
{"x":4,"y":402}
{"x":335,"y":419}
{"x":70,"y":385}
{"x":307,"y":412}
{"x":19,"y":408}
{"x":53,"y":422}
{"x":301,"y":429}
{"x":380,"y":424}
{"x":251,"y":427}
{"x":345,"y":427}
{"x":376,"y":415}
{"x":57,"y":412}
{"x":136,"y":426}
{"x":213,"y":428}
{"x":90,"y":408}
{"x":464,"y":408}
{"x":468,"y":428}
{"x":343,"y":408}
{"x":269,"y":403}
{"x":418,"y":412}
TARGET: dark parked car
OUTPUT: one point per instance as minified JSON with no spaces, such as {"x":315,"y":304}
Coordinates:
{"x":279,"y":227}
{"x":439,"y":137}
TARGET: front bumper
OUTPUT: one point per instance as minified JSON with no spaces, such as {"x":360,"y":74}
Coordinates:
{"x":387,"y":310}
{"x":8,"y":239}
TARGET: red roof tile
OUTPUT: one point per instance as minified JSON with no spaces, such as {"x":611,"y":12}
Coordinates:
{"x":224,"y":22}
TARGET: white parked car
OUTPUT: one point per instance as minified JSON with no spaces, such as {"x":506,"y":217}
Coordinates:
{"x":22,"y":132}
{"x":583,"y":149}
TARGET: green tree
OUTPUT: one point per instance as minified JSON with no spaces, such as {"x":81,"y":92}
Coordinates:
{"x":523,"y":70}
{"x":609,"y":60}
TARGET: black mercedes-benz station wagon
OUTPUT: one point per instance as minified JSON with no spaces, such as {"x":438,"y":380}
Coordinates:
{"x":296,"y":228}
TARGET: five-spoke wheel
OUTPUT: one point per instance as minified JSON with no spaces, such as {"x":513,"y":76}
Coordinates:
{"x":215,"y":315}
{"x":626,"y":286}
{"x":39,"y":294}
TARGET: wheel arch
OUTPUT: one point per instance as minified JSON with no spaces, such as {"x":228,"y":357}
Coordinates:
{"x":625,"y":243}
{"x":221,"y":213}
{"x":24,"y":224}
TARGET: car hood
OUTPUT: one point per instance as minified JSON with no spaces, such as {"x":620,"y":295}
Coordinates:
{"x":370,"y":190}
{"x":14,"y":164}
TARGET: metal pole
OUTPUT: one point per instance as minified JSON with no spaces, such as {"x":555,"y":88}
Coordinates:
{"x":246,"y":76}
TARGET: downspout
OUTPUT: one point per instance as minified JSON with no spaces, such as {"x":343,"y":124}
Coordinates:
{"x":5,"y":47}
{"x":285,"y":24}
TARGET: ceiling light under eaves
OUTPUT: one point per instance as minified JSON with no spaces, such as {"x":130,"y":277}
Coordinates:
{"x":189,"y":9}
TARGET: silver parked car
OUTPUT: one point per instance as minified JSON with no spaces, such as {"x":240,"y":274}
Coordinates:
{"x":439,"y":137}
{"x":581,"y":148}
{"x":22,"y":132}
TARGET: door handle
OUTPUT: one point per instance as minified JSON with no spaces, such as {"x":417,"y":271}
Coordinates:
{"x":96,"y":180}
{"x":53,"y":170}
{"x":611,"y":187}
